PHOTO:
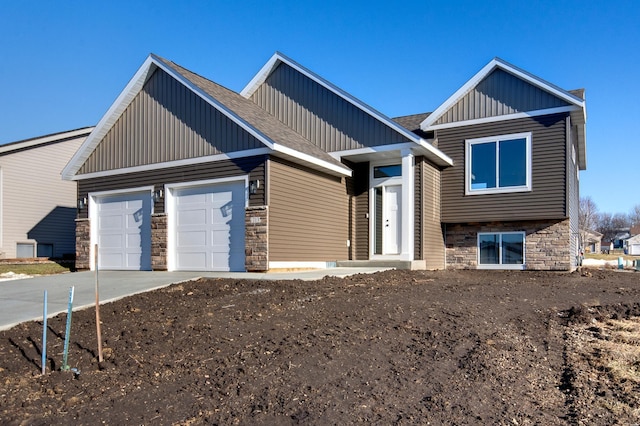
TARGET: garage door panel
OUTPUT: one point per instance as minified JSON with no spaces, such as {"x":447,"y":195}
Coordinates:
{"x":110,"y":222}
{"x":192,"y":217}
{"x":111,"y":241}
{"x":192,"y":239}
{"x":210,"y":209}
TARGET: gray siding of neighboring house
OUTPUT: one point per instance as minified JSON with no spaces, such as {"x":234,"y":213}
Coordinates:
{"x":430,"y":244}
{"x":500,"y":93}
{"x":320,"y":115}
{"x":548,"y":198}
{"x":36,"y":205}
{"x":166,"y":122}
{"x":252,"y":166}
{"x":308,"y":214}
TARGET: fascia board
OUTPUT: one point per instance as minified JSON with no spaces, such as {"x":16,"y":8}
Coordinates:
{"x":278,"y":58}
{"x":484,"y":72}
{"x":333,"y":169}
{"x":108,"y":120}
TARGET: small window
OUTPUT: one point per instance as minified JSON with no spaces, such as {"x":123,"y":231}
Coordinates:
{"x":393,"y":170}
{"x":501,"y":250}
{"x":45,"y":250}
{"x":25,"y":250}
{"x":498,"y":164}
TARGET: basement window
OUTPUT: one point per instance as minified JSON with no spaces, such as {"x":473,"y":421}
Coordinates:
{"x":501,"y":250}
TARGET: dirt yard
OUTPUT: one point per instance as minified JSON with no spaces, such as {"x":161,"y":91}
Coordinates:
{"x":398,"y":347}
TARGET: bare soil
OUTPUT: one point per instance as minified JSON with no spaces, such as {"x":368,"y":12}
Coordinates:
{"x":397,"y":347}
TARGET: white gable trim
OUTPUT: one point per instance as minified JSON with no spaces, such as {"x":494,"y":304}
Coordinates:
{"x":278,"y":58}
{"x":495,"y":63}
{"x":504,"y":117}
{"x":56,"y":137}
{"x":131,"y":91}
{"x":176,"y":163}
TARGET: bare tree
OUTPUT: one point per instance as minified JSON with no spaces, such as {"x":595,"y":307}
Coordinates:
{"x":634,"y":215}
{"x":587,"y":218}
{"x":609,"y":225}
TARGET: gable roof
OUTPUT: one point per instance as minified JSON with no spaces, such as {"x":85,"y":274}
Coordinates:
{"x":274,"y":135}
{"x":574,"y":99}
{"x":43,"y":140}
{"x":425,"y":148}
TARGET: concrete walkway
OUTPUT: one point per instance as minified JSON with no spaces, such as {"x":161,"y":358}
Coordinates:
{"x":22,"y":300}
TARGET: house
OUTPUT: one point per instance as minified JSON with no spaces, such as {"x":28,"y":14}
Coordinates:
{"x":632,"y":245}
{"x":184,"y":174}
{"x":592,"y":240}
{"x":38,"y":208}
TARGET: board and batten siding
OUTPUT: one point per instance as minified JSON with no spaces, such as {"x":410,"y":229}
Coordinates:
{"x":37,"y":206}
{"x":546,"y":200}
{"x":252,"y":166}
{"x":318,"y":114}
{"x":166,"y":122}
{"x":430,"y":244}
{"x":500,"y":93}
{"x":308,"y":214}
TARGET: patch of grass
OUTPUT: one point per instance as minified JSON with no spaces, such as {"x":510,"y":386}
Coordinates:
{"x":35,"y":269}
{"x":601,"y":256}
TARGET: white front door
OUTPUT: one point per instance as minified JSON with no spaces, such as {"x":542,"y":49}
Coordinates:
{"x":124,"y":231}
{"x":387,"y":219}
{"x":209,"y":227}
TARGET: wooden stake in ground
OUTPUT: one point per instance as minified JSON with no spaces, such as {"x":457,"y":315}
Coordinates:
{"x":98,"y":332}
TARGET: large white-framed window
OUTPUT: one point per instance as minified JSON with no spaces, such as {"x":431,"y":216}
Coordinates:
{"x":498,"y":164}
{"x":501,"y":250}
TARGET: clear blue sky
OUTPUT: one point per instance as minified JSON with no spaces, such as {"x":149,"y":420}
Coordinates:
{"x":62,"y":64}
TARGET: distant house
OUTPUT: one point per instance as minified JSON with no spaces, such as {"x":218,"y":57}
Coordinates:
{"x":632,"y":245}
{"x":295,"y":172}
{"x":38,"y":208}
{"x":592,"y":241}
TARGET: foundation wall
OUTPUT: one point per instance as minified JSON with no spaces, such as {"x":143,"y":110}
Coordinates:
{"x":547,"y":243}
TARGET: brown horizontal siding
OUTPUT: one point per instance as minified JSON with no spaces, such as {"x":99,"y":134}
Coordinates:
{"x":546,"y":200}
{"x":166,"y":122}
{"x":433,"y":245}
{"x":320,"y":115}
{"x":500,"y":93}
{"x":308,"y":214}
{"x":253,"y":166}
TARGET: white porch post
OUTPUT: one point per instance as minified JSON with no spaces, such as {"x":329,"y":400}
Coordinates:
{"x":408,"y":207}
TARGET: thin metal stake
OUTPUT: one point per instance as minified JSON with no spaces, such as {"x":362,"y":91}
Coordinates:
{"x":65,"y":366}
{"x":44,"y":334}
{"x":98,"y":332}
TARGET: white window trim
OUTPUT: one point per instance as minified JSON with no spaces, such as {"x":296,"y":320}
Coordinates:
{"x":500,"y":265}
{"x":467,"y":177}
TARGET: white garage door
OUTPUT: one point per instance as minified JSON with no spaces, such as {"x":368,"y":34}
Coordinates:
{"x":635,"y":249}
{"x":209,"y":228}
{"x":124,"y":231}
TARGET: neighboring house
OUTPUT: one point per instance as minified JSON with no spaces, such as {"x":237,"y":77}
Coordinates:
{"x":592,"y":240}
{"x":632,"y":244}
{"x":184,"y":174}
{"x":38,"y":208}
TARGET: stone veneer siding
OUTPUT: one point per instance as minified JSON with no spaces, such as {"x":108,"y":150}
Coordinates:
{"x":159,"y":242}
{"x":83,"y":244}
{"x":256,"y":221}
{"x":547,"y":243}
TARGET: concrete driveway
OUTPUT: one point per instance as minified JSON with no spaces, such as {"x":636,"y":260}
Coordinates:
{"x":22,"y":300}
